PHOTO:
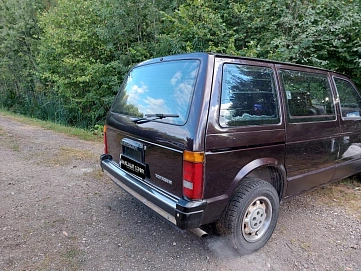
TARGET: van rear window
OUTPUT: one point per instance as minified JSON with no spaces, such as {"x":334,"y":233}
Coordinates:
{"x":159,"y":88}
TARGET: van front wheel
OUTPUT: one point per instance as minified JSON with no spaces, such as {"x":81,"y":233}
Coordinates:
{"x":251,"y":216}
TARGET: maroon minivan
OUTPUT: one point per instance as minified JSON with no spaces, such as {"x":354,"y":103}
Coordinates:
{"x":203,"y":138}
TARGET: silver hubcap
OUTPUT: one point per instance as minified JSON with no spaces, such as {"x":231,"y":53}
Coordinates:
{"x":256,"y":219}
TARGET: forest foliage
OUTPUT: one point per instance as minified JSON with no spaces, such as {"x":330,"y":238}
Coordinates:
{"x":63,"y":60}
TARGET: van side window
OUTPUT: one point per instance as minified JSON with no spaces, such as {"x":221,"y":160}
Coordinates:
{"x":308,"y":96}
{"x":248,"y":96}
{"x":350,"y":100}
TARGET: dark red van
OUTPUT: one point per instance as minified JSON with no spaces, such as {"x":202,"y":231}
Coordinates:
{"x":205,"y":137}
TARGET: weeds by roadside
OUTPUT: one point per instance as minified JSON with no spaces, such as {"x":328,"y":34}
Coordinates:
{"x":83,"y":134}
{"x":345,"y":193}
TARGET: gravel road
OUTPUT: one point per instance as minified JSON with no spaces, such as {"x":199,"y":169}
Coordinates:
{"x":59,"y":212}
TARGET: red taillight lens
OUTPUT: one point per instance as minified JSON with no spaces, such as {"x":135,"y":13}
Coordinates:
{"x":105,"y":140}
{"x":193,"y":174}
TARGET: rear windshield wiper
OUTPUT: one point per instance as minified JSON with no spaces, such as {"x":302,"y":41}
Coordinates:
{"x":151,"y":117}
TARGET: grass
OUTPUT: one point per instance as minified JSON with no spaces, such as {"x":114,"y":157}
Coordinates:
{"x":346,"y":194}
{"x":72,"y":131}
{"x":66,"y":155}
{"x":8,"y":141}
{"x":68,"y":259}
{"x":70,"y":254}
{"x":15,"y":147}
{"x":99,"y":176}
{"x":305,"y":246}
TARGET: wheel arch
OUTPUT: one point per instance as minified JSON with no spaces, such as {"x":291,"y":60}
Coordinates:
{"x":267,"y":169}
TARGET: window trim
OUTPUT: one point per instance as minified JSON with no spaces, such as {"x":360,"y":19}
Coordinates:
{"x":338,"y":95}
{"x":164,"y":120}
{"x":307,"y":118}
{"x":277,"y":120}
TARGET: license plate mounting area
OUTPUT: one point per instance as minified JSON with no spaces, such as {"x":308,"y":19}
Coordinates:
{"x":132,"y":158}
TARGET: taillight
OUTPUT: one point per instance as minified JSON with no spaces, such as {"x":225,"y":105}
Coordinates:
{"x":105,"y":140}
{"x":193,"y":164}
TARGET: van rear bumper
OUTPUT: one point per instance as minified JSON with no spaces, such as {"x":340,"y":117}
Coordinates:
{"x":184,"y":214}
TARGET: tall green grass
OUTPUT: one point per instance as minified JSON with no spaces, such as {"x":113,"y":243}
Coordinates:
{"x":51,"y":106}
{"x":94,"y":135}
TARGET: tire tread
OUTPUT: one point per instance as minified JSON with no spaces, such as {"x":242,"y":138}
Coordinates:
{"x":228,"y":219}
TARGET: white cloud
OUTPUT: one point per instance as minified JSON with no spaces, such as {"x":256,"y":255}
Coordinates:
{"x":154,"y":106}
{"x":176,"y":78}
{"x":135,"y":92}
{"x":184,"y":90}
{"x":182,"y":93}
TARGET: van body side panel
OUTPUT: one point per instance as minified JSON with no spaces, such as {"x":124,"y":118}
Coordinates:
{"x":226,"y":169}
{"x":311,"y":147}
{"x":223,"y":168}
{"x":247,"y":138}
{"x":310,"y":163}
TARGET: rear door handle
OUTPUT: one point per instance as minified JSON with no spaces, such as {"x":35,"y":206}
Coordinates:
{"x":333,"y":145}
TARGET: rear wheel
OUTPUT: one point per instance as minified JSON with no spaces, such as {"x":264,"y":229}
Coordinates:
{"x":251,"y":216}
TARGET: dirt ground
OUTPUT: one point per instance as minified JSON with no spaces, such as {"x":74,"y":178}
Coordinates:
{"x":58,"y":212}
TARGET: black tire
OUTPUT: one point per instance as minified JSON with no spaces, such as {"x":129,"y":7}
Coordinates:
{"x":251,"y":216}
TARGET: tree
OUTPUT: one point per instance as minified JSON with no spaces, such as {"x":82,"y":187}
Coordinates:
{"x":75,"y":62}
{"x":321,"y":33}
{"x":19,"y":39}
{"x":196,"y":26}
{"x":88,"y":47}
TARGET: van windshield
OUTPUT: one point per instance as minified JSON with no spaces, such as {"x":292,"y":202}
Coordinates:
{"x":160,"y":88}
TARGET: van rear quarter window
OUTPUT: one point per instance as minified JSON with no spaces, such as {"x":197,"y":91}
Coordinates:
{"x":248,"y":96}
{"x":159,"y":88}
